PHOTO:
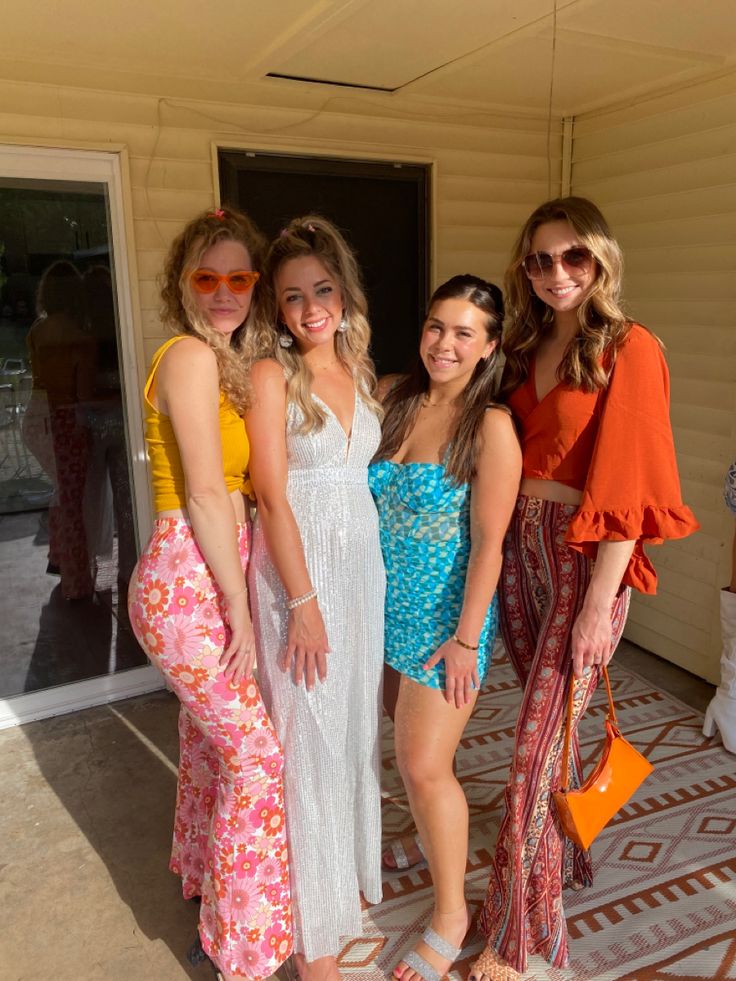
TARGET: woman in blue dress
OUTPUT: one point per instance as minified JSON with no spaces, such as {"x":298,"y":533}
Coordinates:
{"x":445,"y":479}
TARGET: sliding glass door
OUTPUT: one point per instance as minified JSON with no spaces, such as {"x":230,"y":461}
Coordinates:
{"x":72,"y":480}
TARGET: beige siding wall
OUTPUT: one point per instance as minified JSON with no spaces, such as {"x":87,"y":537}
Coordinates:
{"x":664,"y":173}
{"x":661,"y":170}
{"x":489,"y":171}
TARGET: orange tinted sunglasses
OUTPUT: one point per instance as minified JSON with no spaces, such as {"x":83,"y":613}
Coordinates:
{"x":239,"y":281}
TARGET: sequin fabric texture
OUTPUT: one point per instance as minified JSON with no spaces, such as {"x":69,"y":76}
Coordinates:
{"x":425,"y":540}
{"x":331,"y":734}
{"x":229,"y":829}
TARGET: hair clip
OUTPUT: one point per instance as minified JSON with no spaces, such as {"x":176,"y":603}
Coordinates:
{"x":217,"y":213}
{"x":311,"y":228}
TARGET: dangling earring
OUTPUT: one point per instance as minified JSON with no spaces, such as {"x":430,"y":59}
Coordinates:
{"x":285,"y":338}
{"x":343,"y":325}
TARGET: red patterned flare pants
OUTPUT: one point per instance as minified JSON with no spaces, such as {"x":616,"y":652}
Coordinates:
{"x":543,"y":584}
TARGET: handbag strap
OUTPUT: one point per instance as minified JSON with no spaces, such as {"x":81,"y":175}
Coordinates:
{"x":568,"y":724}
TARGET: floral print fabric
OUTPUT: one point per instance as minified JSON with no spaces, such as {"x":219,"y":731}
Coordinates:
{"x":425,"y":540}
{"x":229,"y":831}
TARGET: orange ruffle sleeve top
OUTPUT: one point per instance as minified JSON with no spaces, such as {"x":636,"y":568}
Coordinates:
{"x":615,"y":445}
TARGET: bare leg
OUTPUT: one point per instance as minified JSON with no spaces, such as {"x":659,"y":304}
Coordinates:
{"x":428,"y":731}
{"x":391,"y":683}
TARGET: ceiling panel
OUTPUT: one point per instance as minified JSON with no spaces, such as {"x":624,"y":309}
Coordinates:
{"x":484,"y":53}
{"x":589,"y":71}
{"x":387,"y":43}
{"x":167,"y":37}
{"x":709,"y":27}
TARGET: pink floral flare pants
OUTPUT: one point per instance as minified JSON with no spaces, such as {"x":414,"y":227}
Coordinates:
{"x":543,"y":584}
{"x":229,"y":833}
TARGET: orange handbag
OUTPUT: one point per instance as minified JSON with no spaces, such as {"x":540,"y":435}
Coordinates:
{"x":584,"y":813}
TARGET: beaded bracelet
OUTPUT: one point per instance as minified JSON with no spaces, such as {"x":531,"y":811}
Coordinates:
{"x":299,"y":600}
{"x":468,"y":647}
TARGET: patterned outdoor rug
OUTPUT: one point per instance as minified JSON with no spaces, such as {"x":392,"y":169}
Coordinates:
{"x":663,"y":906}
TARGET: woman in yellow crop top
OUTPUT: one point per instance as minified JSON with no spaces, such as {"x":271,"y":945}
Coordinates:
{"x":589,"y":390}
{"x":188,"y":603}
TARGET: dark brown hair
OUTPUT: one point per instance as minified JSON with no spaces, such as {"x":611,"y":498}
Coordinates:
{"x":404,"y":400}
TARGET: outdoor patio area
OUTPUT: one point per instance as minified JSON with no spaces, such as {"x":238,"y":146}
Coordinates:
{"x":87,"y":817}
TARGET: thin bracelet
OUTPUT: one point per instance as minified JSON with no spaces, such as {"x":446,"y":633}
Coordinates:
{"x":232,"y":596}
{"x":291,"y":604}
{"x":468,"y":647}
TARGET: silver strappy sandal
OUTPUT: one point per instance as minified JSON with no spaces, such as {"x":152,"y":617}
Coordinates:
{"x":440,"y":946}
{"x":397,"y":851}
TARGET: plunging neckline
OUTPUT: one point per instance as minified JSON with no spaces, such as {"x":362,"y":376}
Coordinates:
{"x":348,"y":434}
{"x":533,"y":380}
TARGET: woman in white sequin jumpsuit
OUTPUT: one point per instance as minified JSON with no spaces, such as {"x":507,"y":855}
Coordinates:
{"x":316,"y":577}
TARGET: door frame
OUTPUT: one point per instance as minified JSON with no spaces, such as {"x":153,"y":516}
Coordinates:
{"x":354,"y":152}
{"x":28,"y":162}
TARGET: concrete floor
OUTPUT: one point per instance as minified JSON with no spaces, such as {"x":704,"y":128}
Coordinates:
{"x":85,"y":826}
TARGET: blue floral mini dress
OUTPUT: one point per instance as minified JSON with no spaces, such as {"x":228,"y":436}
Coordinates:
{"x":425,"y":539}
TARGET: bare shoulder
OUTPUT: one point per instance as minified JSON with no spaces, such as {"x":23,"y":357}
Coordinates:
{"x":267,"y":376}
{"x":189,"y":349}
{"x":500,"y":445}
{"x":189,"y":362}
{"x":498,"y":421}
{"x":386,"y":383}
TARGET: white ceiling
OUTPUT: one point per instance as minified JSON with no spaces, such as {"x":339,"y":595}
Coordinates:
{"x":486,"y":53}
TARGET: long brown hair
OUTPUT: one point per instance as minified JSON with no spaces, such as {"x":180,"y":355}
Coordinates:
{"x":603,"y":324}
{"x":179,"y":309}
{"x":315,"y":236}
{"x":404,"y":400}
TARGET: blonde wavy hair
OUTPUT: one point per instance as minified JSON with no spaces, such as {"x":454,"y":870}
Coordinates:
{"x":315,"y":236}
{"x":179,"y":310}
{"x":590,"y":356}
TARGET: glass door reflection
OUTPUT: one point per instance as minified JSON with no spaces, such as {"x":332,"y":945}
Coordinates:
{"x":67,"y":534}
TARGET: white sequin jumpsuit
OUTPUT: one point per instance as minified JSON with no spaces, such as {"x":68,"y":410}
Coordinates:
{"x":330,"y":735}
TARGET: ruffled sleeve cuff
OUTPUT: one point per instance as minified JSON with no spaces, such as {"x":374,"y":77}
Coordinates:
{"x":646,"y":524}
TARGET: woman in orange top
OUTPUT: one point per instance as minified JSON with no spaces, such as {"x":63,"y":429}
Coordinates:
{"x":188,"y":602}
{"x":589,"y":390}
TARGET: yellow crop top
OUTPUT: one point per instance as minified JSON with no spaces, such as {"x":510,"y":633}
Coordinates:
{"x":169,"y":491}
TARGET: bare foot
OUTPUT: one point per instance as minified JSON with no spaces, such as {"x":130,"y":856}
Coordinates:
{"x":490,"y":967}
{"x":452,"y":928}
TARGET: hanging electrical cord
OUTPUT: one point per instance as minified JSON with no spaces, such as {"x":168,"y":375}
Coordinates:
{"x":551,"y":96}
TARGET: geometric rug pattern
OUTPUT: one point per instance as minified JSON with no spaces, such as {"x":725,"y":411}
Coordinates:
{"x":663,"y":903}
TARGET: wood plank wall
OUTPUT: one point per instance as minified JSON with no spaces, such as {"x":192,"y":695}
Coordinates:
{"x":663,"y":171}
{"x":490,"y":170}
